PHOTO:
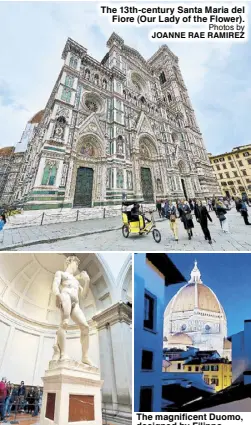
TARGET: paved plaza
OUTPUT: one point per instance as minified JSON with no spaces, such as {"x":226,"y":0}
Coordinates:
{"x":105,"y":234}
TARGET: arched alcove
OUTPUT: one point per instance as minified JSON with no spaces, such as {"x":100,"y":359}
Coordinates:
{"x":29,"y":317}
{"x":147,"y":147}
{"x":182,"y":167}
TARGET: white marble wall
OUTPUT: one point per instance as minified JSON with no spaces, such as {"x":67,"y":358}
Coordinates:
{"x":26,"y":350}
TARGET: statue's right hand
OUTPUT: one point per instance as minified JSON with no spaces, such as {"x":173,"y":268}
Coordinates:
{"x":58,"y":301}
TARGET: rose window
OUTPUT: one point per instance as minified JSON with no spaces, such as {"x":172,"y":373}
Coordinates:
{"x":91,"y":105}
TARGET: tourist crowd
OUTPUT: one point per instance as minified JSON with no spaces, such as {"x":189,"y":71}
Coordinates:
{"x":18,"y":399}
{"x":199,"y":210}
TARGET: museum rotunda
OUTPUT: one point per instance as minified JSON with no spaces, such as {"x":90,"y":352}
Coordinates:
{"x":29,"y":320}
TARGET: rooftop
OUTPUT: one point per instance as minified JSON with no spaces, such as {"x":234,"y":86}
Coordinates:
{"x":166,"y":267}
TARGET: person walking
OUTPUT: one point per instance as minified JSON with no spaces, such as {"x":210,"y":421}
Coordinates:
{"x":244,"y":212}
{"x":203,"y":218}
{"x":209,"y":203}
{"x":238,"y":204}
{"x":166,"y":209}
{"x":158,"y":206}
{"x":221,"y":214}
{"x":186,"y":218}
{"x":196,"y":209}
{"x":163,"y":209}
{"x":2,"y":224}
{"x":173,"y":220}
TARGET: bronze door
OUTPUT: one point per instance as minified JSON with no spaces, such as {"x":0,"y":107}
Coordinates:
{"x":147,"y":185}
{"x":83,"y":189}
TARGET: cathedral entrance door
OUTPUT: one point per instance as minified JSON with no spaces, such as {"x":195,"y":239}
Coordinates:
{"x":84,"y":185}
{"x":184,"y":188}
{"x":147,"y":185}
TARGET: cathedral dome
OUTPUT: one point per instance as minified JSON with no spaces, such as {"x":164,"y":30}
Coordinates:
{"x":37,"y":117}
{"x":195,"y":317}
{"x":180,"y":338}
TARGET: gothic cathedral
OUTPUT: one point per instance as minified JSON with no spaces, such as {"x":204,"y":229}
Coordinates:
{"x":122,"y":128}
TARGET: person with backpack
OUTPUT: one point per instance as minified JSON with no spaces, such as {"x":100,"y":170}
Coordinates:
{"x":186,"y":218}
{"x":221,"y":214}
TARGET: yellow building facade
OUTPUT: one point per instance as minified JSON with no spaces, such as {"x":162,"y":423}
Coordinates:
{"x":233,"y":171}
{"x":218,"y":373}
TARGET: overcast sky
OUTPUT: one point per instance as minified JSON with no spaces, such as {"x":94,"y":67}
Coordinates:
{"x":33,"y":35}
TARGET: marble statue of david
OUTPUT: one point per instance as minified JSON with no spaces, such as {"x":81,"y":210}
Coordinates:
{"x":69,"y":287}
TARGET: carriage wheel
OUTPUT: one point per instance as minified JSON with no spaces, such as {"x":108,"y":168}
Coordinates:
{"x":125,"y":231}
{"x":156,"y":235}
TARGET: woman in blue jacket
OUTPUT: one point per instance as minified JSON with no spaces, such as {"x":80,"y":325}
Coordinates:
{"x":2,"y":222}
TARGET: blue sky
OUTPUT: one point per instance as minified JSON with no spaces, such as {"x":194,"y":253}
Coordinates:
{"x":229,"y":276}
{"x":33,"y":35}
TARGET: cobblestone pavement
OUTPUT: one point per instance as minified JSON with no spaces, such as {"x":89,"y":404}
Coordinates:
{"x":239,"y":238}
{"x":48,"y":234}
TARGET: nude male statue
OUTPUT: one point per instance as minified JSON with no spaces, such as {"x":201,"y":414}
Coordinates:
{"x":69,"y":288}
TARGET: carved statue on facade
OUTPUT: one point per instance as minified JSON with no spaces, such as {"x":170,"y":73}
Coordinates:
{"x":120,"y":145}
{"x":69,"y":288}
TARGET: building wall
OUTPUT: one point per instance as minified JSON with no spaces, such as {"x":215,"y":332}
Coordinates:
{"x":35,"y":347}
{"x":148,"y":280}
{"x":221,"y":378}
{"x":233,"y":171}
{"x":241,"y":352}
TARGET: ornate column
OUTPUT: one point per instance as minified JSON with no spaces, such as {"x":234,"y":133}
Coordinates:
{"x":114,"y":328}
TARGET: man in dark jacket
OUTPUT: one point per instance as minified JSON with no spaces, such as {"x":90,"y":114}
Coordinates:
{"x":21,"y":396}
{"x":203,"y":216}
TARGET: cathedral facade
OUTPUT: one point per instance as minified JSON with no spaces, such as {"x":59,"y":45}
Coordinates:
{"x":195,"y":317}
{"x":120,"y":128}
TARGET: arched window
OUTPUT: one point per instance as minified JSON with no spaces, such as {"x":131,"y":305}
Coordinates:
{"x":69,"y":80}
{"x":96,"y":79}
{"x":60,"y":127}
{"x":143,"y":100}
{"x":120,"y":179}
{"x":124,"y":93}
{"x":87,"y":74}
{"x":169,"y":97}
{"x":120,"y":145}
{"x":73,"y":62}
{"x":162,"y":78}
{"x":49,"y":176}
{"x":105,"y":84}
{"x":66,"y":95}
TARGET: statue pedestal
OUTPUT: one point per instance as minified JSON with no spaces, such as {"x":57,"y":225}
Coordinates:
{"x":72,"y":394}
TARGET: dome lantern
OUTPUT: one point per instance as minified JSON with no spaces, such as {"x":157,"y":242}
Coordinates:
{"x":195,"y":274}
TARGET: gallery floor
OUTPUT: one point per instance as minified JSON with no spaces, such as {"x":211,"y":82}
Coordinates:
{"x":24,"y":419}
